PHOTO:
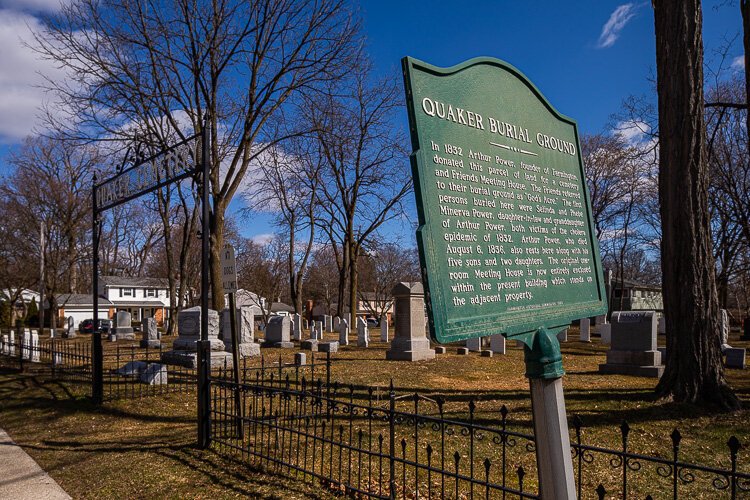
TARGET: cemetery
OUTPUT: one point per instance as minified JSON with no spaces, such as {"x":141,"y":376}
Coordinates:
{"x":240,"y":258}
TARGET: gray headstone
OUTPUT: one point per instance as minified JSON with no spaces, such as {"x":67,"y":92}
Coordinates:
{"x":328,"y":347}
{"x":605,"y":332}
{"x":563,"y":336}
{"x":278,"y":332}
{"x":300,"y":358}
{"x":486,"y":354}
{"x":343,"y":333}
{"x":661,"y":327}
{"x":497,"y":344}
{"x":123,"y":329}
{"x":245,"y":331}
{"x":735,"y":358}
{"x":462,"y":351}
{"x":336,"y":323}
{"x":132,"y":368}
{"x":154,"y":374}
{"x":150,"y":337}
{"x":585,"y":326}
{"x":474,"y":344}
{"x":309,"y":345}
{"x":633,"y":350}
{"x":328,"y":323}
{"x":70,"y":332}
{"x":410,"y":342}
{"x":185,"y":346}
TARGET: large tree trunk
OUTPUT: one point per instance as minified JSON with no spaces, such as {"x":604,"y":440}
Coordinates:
{"x":745,"y":8}
{"x":694,"y":372}
{"x":216,"y":243}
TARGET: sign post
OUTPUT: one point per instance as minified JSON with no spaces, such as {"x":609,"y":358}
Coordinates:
{"x":229,"y":284}
{"x":506,"y":237}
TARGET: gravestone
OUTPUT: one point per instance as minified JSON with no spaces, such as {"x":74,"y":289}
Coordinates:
{"x":384,"y":328}
{"x":12,"y":344}
{"x":309,"y":345}
{"x":486,"y":353}
{"x":123,"y":329}
{"x":605,"y":333}
{"x":462,"y":351}
{"x":363,"y":334}
{"x":306,"y":324}
{"x":343,"y":332}
{"x":154,"y":374}
{"x":300,"y":358}
{"x":474,"y":344}
{"x":663,"y":353}
{"x":497,"y":344}
{"x":410,"y":341}
{"x":585,"y":327}
{"x":331,"y":347}
{"x":150,"y":337}
{"x":185,"y":347}
{"x":245,"y":331}
{"x":35,"y":352}
{"x":278,"y":333}
{"x":439,"y":349}
{"x":563,"y":336}
{"x":633,"y":350}
{"x":132,"y":368}
{"x":724,"y":325}
{"x":6,"y":347}
{"x":661,"y":328}
{"x":328,"y":323}
{"x":318,"y":330}
{"x":735,"y":358}
{"x":70,"y":331}
{"x":336,"y":323}
{"x":26,"y":345}
{"x":296,"y":327}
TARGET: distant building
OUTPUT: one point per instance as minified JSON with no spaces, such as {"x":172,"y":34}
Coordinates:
{"x":141,"y":297}
{"x":627,"y":295}
{"x":81,"y":307}
{"x":21,"y":305}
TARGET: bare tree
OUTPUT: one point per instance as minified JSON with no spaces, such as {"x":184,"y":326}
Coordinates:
{"x":693,"y":371}
{"x":385,"y":265}
{"x":365,"y":176}
{"x":238,"y":63}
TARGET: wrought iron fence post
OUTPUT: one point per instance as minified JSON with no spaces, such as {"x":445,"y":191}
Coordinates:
{"x":392,"y":446}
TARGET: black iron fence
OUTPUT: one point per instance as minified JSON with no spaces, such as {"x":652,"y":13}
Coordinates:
{"x":364,"y":442}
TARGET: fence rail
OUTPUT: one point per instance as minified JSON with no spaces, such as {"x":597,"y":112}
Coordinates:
{"x":413,"y":445}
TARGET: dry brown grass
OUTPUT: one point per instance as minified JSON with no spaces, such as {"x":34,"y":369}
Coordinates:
{"x":145,"y":448}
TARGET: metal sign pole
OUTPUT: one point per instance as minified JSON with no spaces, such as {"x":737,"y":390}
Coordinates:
{"x":204,"y":346}
{"x":554,"y":462}
{"x":97,"y":375}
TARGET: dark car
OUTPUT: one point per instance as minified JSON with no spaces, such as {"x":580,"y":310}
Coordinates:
{"x":87,"y":325}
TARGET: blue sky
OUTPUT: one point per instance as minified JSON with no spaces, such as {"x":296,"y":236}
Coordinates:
{"x":585,"y":56}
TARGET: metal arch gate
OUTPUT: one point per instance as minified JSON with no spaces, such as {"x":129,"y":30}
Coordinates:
{"x":155,"y":172}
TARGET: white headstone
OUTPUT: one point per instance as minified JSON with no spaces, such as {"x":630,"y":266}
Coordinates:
{"x":26,"y":345}
{"x":328,"y":323}
{"x":296,"y":326}
{"x":724,"y":318}
{"x":363,"y":335}
{"x":343,"y":332}
{"x":605,"y":331}
{"x":12,"y":344}
{"x":585,"y":330}
{"x":35,"y":352}
{"x":384,"y":328}
{"x":410,"y":342}
{"x":6,"y":347}
{"x":497,"y":344}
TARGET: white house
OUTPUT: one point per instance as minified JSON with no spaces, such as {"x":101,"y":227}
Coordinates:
{"x":81,"y":307}
{"x":141,"y":297}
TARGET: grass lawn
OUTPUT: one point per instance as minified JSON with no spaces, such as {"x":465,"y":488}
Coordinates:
{"x":144,"y":448}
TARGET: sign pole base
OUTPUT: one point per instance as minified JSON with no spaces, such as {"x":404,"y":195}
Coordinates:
{"x":554,"y":461}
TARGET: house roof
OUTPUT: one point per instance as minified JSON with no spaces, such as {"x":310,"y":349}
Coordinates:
{"x":632,"y":284}
{"x":280,"y":306}
{"x":79,"y":299}
{"x":134,"y":281}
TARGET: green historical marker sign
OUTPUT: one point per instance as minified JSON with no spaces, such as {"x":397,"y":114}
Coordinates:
{"x":506,"y":238}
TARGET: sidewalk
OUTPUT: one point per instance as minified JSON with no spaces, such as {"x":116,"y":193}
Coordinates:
{"x":20,"y":476}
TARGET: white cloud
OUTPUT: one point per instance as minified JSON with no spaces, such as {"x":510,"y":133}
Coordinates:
{"x":21,"y":75}
{"x":34,"y":5}
{"x":633,"y":132}
{"x":262,"y":239}
{"x":614,"y":25}
{"x":738,"y":63}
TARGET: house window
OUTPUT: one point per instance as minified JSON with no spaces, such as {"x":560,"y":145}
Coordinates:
{"x":127,"y":292}
{"x":149,"y":292}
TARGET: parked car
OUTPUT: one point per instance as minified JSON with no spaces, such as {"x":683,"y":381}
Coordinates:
{"x":372,"y":322}
{"x":87,"y":325}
